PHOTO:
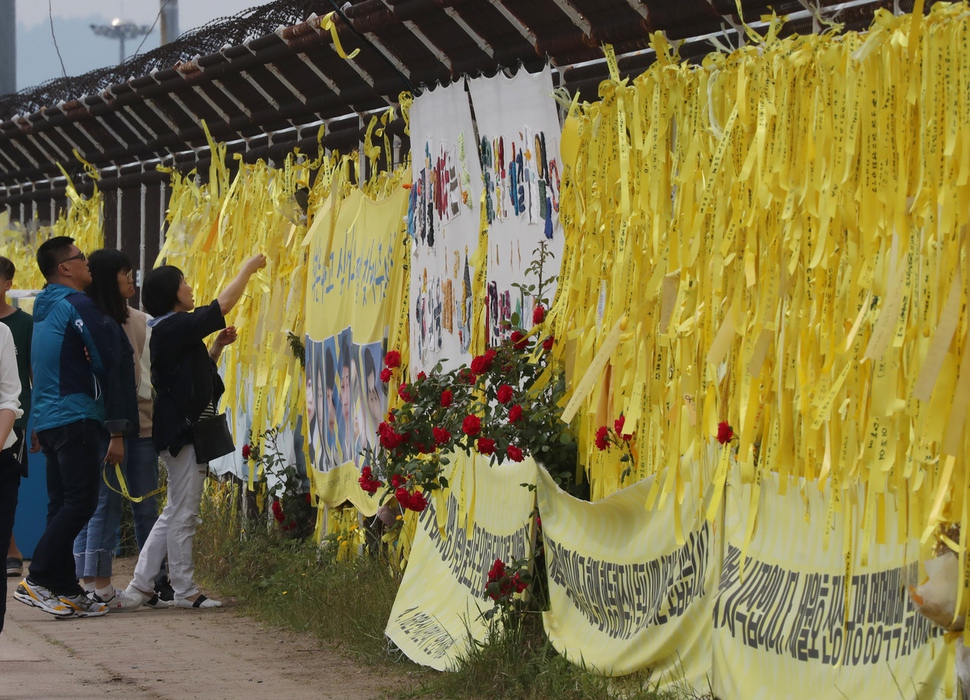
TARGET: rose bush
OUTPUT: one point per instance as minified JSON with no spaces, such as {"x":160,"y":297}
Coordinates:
{"x":503,"y":405}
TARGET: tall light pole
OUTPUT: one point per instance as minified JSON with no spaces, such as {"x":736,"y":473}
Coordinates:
{"x":8,"y":47}
{"x":170,"y":21}
{"x":121,"y":30}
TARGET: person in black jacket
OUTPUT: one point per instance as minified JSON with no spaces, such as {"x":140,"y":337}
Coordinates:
{"x":187,"y":388}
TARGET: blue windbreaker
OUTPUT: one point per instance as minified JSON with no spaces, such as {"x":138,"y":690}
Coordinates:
{"x":67,"y":384}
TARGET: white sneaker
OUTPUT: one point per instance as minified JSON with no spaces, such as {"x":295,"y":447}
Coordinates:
{"x":106,"y":599}
{"x":83,"y":606}
{"x":128,"y":599}
{"x":40,"y":597}
{"x":198,"y":603}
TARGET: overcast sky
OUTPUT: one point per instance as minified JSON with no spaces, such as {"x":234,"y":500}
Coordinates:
{"x":192,"y":13}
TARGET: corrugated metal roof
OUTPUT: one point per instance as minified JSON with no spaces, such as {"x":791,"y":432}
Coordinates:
{"x":290,"y":80}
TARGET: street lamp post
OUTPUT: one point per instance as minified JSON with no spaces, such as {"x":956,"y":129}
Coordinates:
{"x":121,"y":30}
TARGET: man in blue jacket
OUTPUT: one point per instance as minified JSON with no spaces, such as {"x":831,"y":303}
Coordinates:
{"x":70,"y":350}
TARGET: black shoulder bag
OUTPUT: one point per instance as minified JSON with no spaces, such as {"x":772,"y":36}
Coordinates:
{"x":210,"y":435}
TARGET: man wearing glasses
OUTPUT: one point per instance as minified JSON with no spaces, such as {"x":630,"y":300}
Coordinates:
{"x":70,"y":350}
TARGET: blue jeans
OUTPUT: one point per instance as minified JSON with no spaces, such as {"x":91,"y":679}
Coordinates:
{"x":97,"y":541}
{"x":141,"y":473}
{"x":73,"y":453}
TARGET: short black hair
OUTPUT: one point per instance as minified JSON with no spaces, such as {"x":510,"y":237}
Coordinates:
{"x":370,"y":367}
{"x":329,"y":371}
{"x":160,"y":291}
{"x":50,"y":254}
{"x":345,"y":351}
{"x":105,"y":264}
{"x":7,"y":268}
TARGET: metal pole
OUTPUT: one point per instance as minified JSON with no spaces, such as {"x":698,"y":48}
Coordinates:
{"x":8,"y":47}
{"x":118,"y":222}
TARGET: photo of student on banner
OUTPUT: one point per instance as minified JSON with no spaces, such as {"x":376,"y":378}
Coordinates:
{"x":332,"y":452}
{"x":350,"y":419}
{"x":313,"y":432}
{"x":376,"y":399}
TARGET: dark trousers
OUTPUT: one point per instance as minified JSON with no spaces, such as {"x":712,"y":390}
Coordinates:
{"x":73,"y":454}
{"x":9,"y":486}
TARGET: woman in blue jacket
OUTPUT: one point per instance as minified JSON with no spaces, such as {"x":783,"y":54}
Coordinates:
{"x":111,"y":286}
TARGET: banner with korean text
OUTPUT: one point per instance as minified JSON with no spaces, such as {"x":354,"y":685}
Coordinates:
{"x":805,"y":621}
{"x":627,"y":588}
{"x":354,"y":289}
{"x":486,"y":515}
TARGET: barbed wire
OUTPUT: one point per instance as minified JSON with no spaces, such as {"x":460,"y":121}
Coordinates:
{"x":208,"y":39}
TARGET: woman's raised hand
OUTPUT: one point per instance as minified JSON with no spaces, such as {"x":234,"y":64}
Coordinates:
{"x":257,"y":262}
{"x":227,"y":336}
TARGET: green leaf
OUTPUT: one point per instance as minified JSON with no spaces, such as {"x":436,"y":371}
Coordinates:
{"x":515,"y":318}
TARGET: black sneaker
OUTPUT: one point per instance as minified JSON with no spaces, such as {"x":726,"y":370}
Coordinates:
{"x":163,"y":589}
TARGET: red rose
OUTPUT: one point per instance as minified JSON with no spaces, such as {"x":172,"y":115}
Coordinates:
{"x":403,"y":497}
{"x":618,"y":427}
{"x":367,"y":482}
{"x":479,"y":364}
{"x":497,"y":571}
{"x":519,"y":341}
{"x":422,"y":376}
{"x":403,"y":392}
{"x":515,"y":413}
{"x":441,"y":436}
{"x":601,"y":438}
{"x":277,"y":511}
{"x":548,"y":343}
{"x":724,"y":432}
{"x":504,"y":393}
{"x":486,"y":446}
{"x":489,"y":356}
{"x":392,"y":359}
{"x":513,"y":453}
{"x":417,"y":503}
{"x":446,"y":397}
{"x":466,"y":375}
{"x":397,"y":481}
{"x":471,"y":425}
{"x":246,"y":451}
{"x":518,"y":583}
{"x":388,"y":437}
{"x":385,"y":375}
{"x":538,"y":315}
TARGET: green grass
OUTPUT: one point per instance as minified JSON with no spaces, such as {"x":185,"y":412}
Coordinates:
{"x":348,"y":604}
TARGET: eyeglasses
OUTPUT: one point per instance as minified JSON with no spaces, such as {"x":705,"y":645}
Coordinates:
{"x":79,"y":256}
{"x":130,"y":275}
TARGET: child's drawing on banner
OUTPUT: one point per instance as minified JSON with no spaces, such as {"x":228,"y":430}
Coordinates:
{"x":519,"y":149}
{"x":372,"y":359}
{"x":443,"y":220}
{"x":438,"y":192}
{"x":522,"y":178}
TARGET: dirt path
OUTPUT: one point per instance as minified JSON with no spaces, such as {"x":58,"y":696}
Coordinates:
{"x":169,"y":654}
